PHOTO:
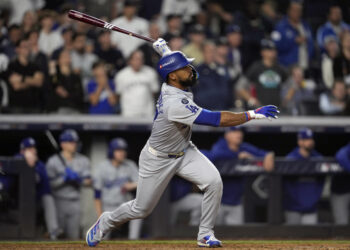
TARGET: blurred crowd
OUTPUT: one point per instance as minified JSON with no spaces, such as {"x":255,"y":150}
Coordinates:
{"x":255,"y":53}
{"x":61,"y":180}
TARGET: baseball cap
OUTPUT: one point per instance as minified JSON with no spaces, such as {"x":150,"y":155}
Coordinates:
{"x":69,"y":135}
{"x":27,"y":143}
{"x":233,"y":28}
{"x":267,"y":44}
{"x":305,"y":133}
{"x":235,"y":128}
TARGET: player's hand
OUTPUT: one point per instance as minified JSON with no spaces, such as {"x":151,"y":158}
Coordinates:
{"x":128,"y":186}
{"x":161,"y":47}
{"x":269,"y":112}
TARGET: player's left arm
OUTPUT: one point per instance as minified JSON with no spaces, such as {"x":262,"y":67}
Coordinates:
{"x":229,"y":119}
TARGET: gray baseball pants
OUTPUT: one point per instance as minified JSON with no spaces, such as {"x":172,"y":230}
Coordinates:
{"x":155,"y":174}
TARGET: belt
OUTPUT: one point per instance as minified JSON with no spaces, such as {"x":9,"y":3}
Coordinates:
{"x":165,"y":155}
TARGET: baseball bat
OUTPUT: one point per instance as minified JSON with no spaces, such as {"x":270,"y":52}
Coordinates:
{"x":55,"y":146}
{"x":82,"y":17}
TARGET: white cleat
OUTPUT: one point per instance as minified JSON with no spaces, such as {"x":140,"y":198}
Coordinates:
{"x":94,"y":235}
{"x":209,"y":241}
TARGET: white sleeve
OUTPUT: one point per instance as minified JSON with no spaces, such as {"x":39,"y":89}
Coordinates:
{"x":97,"y":180}
{"x":183,"y":110}
{"x":118,"y":83}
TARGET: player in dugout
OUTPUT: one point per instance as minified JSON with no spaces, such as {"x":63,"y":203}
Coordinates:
{"x":169,"y":150}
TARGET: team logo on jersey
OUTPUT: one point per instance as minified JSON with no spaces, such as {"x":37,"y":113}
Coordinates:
{"x":184,"y":101}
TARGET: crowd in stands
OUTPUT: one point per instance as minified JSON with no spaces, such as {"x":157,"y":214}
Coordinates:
{"x":257,"y":53}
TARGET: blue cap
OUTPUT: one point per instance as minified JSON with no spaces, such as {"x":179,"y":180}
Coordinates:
{"x":171,"y":62}
{"x":115,"y":144}
{"x":69,"y":135}
{"x":305,"y":133}
{"x":233,"y":28}
{"x":27,"y":143}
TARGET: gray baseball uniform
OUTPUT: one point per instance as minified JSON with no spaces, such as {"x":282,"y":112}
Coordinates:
{"x":169,"y":151}
{"x":67,"y":196}
{"x":110,"y":180}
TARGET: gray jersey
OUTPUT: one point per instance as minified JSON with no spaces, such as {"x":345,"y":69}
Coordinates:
{"x":175,"y":114}
{"x":110,"y":180}
{"x":56,"y":172}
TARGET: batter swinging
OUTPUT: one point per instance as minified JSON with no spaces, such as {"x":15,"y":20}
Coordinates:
{"x":170,"y":152}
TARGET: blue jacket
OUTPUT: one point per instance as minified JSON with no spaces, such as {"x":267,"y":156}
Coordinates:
{"x":327,"y":30}
{"x":301,"y":194}
{"x":341,"y":183}
{"x":284,"y":37}
{"x":233,"y":186}
{"x":42,"y":180}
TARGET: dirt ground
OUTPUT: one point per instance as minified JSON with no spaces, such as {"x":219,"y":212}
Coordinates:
{"x":158,"y":246}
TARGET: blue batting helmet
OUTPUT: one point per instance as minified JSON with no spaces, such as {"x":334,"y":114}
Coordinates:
{"x":69,"y":135}
{"x":27,"y":143}
{"x":115,"y":144}
{"x":171,"y":62}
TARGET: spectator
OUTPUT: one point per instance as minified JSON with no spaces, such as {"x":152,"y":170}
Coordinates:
{"x":296,"y":92}
{"x":136,"y":86}
{"x":129,"y":21}
{"x":218,"y":16}
{"x":49,"y":40}
{"x":234,"y":38}
{"x":269,"y":16}
{"x":332,"y":49}
{"x":194,"y":49}
{"x":114,"y":179}
{"x":67,"y":36}
{"x":302,"y":193}
{"x":334,"y":103}
{"x":150,"y":55}
{"x":173,"y":27}
{"x":20,"y":7}
{"x":333,"y":27}
{"x":340,"y":197}
{"x":111,"y":56}
{"x":24,"y":82}
{"x":266,"y":77}
{"x":9,"y":45}
{"x":213,"y":91}
{"x":186,"y":8}
{"x":101,"y":91}
{"x":104,"y":9}
{"x":29,"y":22}
{"x":28,"y":152}
{"x":183,"y":199}
{"x":82,"y":57}
{"x":36,"y":55}
{"x":66,"y":180}
{"x":176,"y":43}
{"x":341,"y":65}
{"x":293,"y":38}
{"x":66,"y":86}
{"x":232,"y":147}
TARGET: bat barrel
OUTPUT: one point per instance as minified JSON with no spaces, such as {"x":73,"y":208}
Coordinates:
{"x":76,"y":15}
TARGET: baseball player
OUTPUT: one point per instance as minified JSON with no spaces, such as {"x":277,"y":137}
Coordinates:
{"x":301,"y":194}
{"x":28,"y":152}
{"x":66,"y":178}
{"x":113,"y":180}
{"x":230,"y":147}
{"x":340,"y":198}
{"x":170,"y":152}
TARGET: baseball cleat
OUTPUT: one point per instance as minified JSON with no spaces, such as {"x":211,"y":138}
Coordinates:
{"x":94,"y":235}
{"x":209,"y":241}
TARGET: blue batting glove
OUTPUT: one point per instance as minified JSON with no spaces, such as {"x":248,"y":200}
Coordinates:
{"x":269,"y":112}
{"x":70,"y":175}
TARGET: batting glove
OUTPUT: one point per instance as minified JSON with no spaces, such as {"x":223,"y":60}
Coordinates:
{"x":269,"y":112}
{"x":161,"y":47}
